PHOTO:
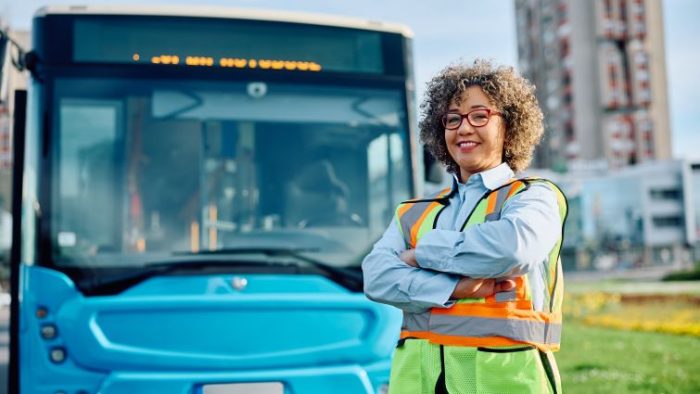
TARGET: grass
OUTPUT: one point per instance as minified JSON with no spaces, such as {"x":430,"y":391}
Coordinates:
{"x":665,"y":313}
{"x":634,"y":287}
{"x":621,"y":337}
{"x":603,"y":360}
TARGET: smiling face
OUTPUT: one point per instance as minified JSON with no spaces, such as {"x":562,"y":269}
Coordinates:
{"x":475,"y":149}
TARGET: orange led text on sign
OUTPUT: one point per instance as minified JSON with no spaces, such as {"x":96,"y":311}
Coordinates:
{"x":240,"y":63}
{"x":162,"y":59}
{"x":199,"y":61}
{"x":267,"y":64}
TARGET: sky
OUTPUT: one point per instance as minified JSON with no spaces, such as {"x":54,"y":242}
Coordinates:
{"x":446,"y":31}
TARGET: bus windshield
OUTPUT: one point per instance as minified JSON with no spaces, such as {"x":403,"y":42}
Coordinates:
{"x":144,"y":169}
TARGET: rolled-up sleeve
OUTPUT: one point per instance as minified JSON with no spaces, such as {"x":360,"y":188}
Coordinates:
{"x":526,"y":232}
{"x":390,"y":281}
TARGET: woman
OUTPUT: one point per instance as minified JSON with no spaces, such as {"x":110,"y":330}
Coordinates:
{"x":475,"y":267}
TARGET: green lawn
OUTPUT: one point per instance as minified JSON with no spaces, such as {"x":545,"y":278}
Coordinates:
{"x":601,"y":360}
{"x":634,"y":287}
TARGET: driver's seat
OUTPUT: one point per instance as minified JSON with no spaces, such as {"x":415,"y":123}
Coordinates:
{"x":316,"y":197}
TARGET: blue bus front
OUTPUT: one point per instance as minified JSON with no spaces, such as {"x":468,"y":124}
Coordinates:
{"x":198,"y":196}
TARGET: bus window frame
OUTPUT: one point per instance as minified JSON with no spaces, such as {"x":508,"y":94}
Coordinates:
{"x":49,"y":120}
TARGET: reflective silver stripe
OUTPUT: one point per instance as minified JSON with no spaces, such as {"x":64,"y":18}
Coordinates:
{"x":410,"y":217}
{"x":506,"y":296}
{"x":492,"y":217}
{"x":501,"y":195}
{"x":519,"y":330}
{"x":415,"y":321}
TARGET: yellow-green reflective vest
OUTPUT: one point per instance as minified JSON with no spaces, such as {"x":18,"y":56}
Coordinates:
{"x":503,"y":319}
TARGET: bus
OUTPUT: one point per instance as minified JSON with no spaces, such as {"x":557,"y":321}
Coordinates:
{"x":195,"y":191}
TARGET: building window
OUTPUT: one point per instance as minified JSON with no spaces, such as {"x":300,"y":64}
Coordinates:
{"x":667,"y":221}
{"x":665,"y":194}
{"x":608,"y":8}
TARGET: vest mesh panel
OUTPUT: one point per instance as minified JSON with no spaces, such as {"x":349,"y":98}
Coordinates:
{"x":415,"y":368}
{"x":510,"y":373}
{"x":460,"y":369}
{"x":432,"y":368}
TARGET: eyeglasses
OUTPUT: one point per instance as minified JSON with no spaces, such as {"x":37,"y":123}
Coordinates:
{"x":477,"y":118}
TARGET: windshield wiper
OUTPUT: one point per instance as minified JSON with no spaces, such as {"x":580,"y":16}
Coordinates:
{"x":347,"y":277}
{"x":114,"y":280}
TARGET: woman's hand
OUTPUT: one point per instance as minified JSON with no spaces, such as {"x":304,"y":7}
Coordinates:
{"x":479,"y":288}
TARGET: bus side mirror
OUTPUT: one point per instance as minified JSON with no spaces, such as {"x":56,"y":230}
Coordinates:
{"x":433,"y":170}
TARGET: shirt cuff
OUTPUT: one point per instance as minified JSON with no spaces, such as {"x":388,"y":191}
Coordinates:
{"x":431,"y":290}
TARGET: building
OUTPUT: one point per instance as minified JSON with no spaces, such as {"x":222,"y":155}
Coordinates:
{"x":635,"y":216}
{"x":12,"y":79}
{"x":599,"y":68}
{"x":693,"y":220}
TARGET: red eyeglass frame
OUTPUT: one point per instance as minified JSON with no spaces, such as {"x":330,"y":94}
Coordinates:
{"x":489,"y":112}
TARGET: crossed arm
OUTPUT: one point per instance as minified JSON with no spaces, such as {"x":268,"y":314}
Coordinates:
{"x":466,"y":287}
{"x":474,"y":263}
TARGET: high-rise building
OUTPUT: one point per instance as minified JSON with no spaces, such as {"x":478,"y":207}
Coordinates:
{"x":11,"y":80}
{"x":599,"y":68}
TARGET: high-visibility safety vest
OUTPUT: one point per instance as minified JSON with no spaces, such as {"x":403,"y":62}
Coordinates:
{"x":503,"y":319}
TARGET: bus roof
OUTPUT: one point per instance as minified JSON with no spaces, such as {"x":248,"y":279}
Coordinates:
{"x":226,"y":12}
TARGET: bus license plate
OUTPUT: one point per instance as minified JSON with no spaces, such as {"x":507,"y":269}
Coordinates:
{"x":244,"y":388}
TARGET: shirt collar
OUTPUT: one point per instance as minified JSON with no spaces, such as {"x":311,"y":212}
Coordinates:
{"x":491,"y":179}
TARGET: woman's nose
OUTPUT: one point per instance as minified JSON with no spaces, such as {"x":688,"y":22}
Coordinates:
{"x":465,"y":128}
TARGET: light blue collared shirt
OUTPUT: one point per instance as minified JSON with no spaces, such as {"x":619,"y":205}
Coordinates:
{"x":516,"y":244}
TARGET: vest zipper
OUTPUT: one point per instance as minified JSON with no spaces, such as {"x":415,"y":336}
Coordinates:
{"x":440,"y":385}
{"x":548,"y":370}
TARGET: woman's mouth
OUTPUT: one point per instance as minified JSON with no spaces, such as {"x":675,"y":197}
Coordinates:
{"x":467,"y":146}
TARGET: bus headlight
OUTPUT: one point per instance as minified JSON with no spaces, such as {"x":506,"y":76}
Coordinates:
{"x":57,"y":355}
{"x":48,"y":331}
